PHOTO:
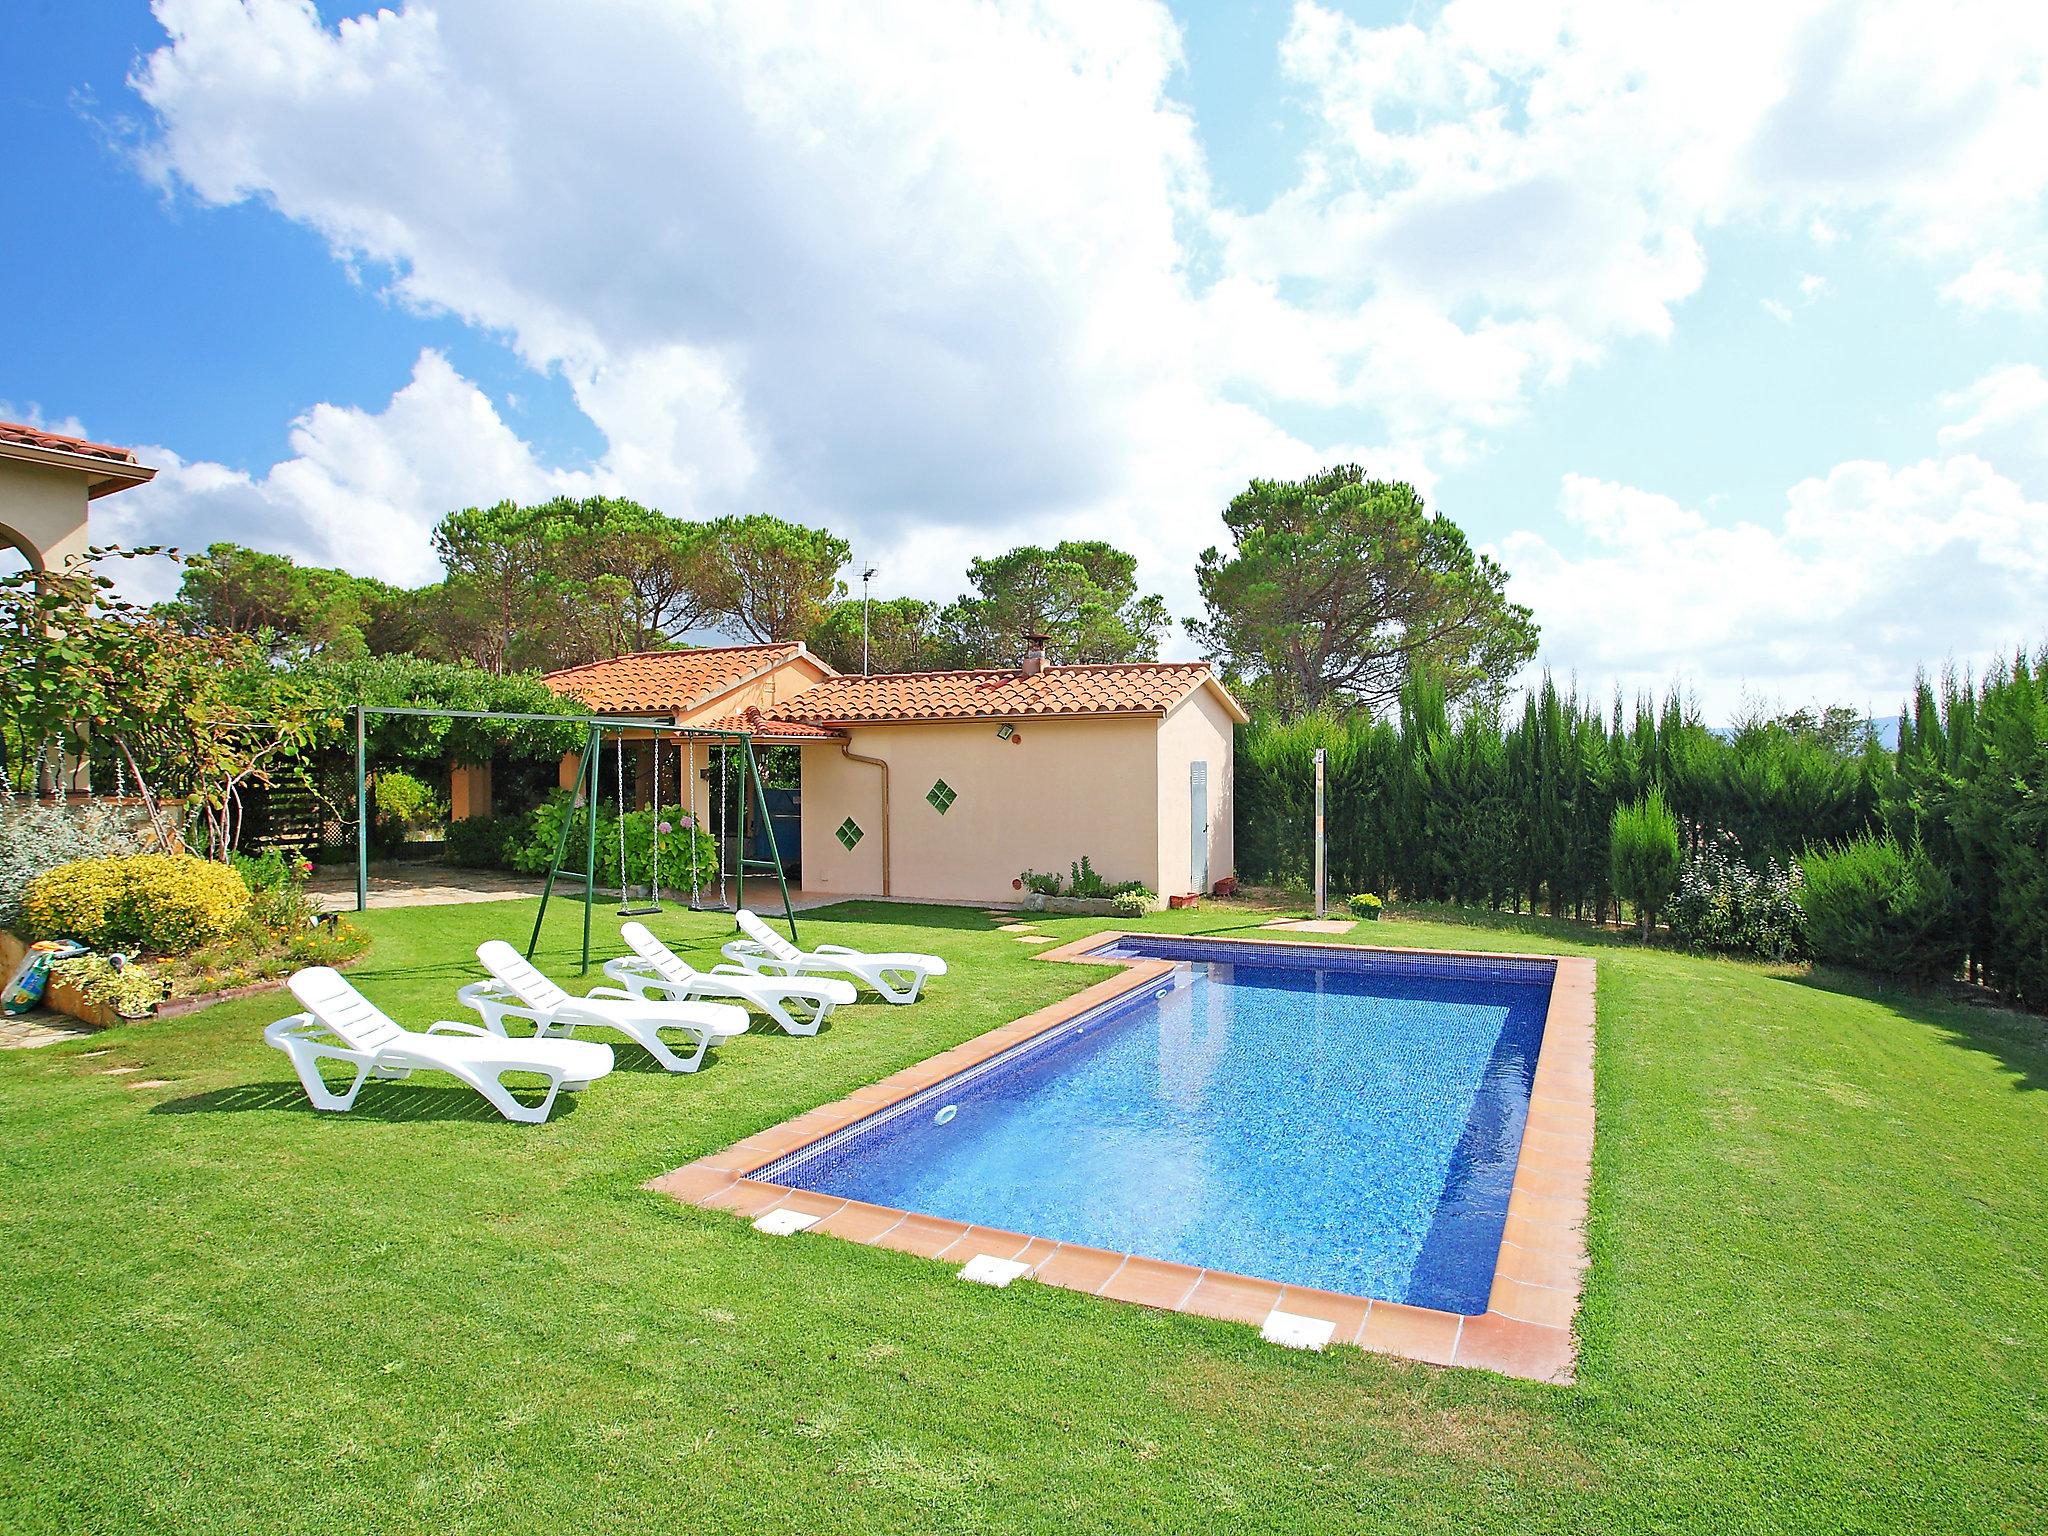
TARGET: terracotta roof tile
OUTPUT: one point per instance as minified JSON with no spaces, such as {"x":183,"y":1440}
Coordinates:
{"x":1147,"y":688}
{"x":754,"y":723}
{"x":35,"y":437}
{"x":666,"y":681}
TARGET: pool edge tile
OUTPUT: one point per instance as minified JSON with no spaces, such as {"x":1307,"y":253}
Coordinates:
{"x":1162,"y":1283}
{"x":856,"y":1221}
{"x":1511,"y":1347}
{"x":1414,"y":1333}
{"x":924,"y":1236}
{"x":1234,"y":1298}
{"x":1077,"y":1267}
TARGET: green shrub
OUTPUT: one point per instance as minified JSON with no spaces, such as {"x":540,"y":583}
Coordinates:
{"x":332,"y":943}
{"x":37,"y":836}
{"x":1871,"y":904}
{"x":484,"y":842}
{"x":273,"y":869}
{"x":1043,"y":885}
{"x":130,"y":989}
{"x":1137,"y":903}
{"x":405,"y":804}
{"x":1086,"y":882}
{"x":681,"y":845}
{"x":167,"y":904}
{"x":1365,"y":905}
{"x":1643,"y":852}
{"x":1727,"y":907}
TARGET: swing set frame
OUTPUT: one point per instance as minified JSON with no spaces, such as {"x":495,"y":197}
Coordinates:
{"x":586,"y":789}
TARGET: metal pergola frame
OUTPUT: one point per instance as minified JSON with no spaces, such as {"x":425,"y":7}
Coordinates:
{"x":587,"y":788}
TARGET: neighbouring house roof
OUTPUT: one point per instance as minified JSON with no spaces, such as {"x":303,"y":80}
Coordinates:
{"x":670,"y":682}
{"x":1131,"y":688}
{"x":109,"y":468}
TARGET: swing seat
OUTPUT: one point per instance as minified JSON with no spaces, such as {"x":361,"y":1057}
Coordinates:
{"x":648,"y":911}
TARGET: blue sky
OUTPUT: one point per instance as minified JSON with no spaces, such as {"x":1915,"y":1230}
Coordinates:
{"x":1724,"y":334}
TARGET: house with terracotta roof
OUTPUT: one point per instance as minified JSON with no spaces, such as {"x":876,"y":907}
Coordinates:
{"x":48,"y":483}
{"x":947,"y":786}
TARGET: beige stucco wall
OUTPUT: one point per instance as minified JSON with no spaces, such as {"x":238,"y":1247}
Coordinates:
{"x":787,"y":680}
{"x":45,"y":510}
{"x":469,"y":790}
{"x":1070,"y":787}
{"x":1198,"y":729}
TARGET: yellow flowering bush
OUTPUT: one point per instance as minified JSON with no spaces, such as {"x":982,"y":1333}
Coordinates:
{"x":167,"y":904}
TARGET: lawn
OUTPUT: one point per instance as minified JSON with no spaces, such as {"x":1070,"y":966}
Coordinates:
{"x":1817,"y":1301}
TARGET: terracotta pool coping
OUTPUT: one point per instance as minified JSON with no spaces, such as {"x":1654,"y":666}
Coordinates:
{"x":1526,"y":1330}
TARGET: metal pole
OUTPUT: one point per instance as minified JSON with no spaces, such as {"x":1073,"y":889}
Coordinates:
{"x":1322,"y":901}
{"x":774,"y":848}
{"x":866,"y":576}
{"x":362,"y":821}
{"x":590,"y":843}
{"x":547,"y":890}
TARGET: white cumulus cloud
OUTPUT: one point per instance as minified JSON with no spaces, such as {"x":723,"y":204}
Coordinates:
{"x":362,"y":489}
{"x":1863,"y":574}
{"x":951,"y":277}
{"x":1547,"y":175}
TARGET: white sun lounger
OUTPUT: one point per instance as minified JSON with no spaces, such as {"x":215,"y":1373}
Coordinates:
{"x":654,"y":970}
{"x":518,"y":991}
{"x":898,"y":977}
{"x":376,"y":1046}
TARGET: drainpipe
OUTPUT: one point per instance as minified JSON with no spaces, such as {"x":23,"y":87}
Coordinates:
{"x":846,"y":751}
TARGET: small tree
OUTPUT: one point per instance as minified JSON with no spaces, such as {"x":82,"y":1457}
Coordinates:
{"x":199,"y":716}
{"x":767,"y":579}
{"x":1337,"y":588}
{"x":1643,"y":851}
{"x":1082,"y":594}
{"x":1881,"y":907}
{"x":902,"y":636}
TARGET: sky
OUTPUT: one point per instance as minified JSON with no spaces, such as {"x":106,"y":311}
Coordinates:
{"x":1721,"y":326}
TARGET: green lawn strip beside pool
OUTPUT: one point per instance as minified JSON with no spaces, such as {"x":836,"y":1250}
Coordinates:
{"x":1817,"y":1302}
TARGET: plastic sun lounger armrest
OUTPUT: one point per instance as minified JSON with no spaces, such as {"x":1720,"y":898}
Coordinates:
{"x":638,"y":977}
{"x":836,"y":949}
{"x":729,"y":970}
{"x":497,"y":1003}
{"x":307,"y":1032}
{"x":454,"y":1027}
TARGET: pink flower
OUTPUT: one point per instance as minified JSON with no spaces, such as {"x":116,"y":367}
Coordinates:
{"x":662,"y":826}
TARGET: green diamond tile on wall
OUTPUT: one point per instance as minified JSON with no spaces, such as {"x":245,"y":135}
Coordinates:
{"x":941,"y":796}
{"x":849,"y":833}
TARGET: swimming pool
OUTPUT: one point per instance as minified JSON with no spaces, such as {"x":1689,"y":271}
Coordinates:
{"x":1344,"y":1120}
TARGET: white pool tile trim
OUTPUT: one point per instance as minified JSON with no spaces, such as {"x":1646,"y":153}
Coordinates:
{"x":785,"y":1222}
{"x":1290,"y":1330}
{"x":987,"y":1269}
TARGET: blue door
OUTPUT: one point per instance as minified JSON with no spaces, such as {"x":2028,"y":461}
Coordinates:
{"x":1198,"y":827}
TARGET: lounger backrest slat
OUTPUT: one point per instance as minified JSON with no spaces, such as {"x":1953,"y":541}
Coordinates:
{"x":667,"y":964}
{"x":331,"y":999}
{"x":518,"y":973}
{"x":767,"y":937}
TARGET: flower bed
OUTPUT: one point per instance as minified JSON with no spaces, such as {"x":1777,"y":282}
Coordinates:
{"x":184,"y":929}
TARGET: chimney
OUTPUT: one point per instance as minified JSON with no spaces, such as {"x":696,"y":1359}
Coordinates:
{"x":1034,"y":655}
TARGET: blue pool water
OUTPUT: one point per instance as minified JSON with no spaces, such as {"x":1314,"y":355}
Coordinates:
{"x":1317,"y":1118}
